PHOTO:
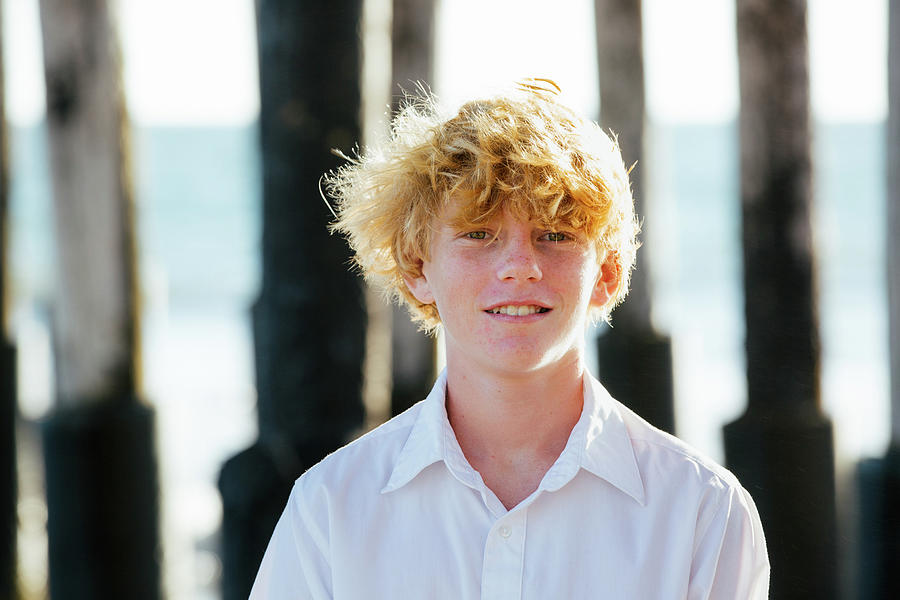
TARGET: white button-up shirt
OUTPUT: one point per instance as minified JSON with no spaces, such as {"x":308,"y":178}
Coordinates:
{"x":626,"y":512}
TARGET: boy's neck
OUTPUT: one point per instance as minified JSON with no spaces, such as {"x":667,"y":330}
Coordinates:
{"x":513,"y":427}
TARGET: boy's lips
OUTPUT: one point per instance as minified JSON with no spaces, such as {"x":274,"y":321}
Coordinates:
{"x":517,"y":309}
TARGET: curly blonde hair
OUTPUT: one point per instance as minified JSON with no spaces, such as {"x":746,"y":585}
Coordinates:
{"x":522,"y":151}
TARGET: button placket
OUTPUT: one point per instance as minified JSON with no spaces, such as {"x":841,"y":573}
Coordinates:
{"x":504,"y":557}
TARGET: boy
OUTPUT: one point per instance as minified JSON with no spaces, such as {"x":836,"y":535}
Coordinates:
{"x":509,"y":225}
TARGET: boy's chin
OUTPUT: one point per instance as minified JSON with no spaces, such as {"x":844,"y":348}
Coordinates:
{"x":523,"y":361}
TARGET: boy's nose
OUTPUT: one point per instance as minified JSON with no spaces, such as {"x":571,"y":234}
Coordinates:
{"x":519,"y":261}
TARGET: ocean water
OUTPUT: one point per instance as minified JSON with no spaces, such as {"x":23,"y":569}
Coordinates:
{"x":198,"y":194}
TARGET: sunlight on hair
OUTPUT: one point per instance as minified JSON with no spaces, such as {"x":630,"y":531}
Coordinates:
{"x":523,"y":151}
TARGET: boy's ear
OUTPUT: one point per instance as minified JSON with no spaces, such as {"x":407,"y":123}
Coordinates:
{"x":607,"y":282}
{"x":419,"y":288}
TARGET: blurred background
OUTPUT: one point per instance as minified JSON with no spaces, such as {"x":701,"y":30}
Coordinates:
{"x":191,"y":73}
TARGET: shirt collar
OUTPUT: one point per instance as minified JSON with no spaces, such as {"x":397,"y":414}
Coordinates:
{"x":599,"y":443}
{"x":425,"y":444}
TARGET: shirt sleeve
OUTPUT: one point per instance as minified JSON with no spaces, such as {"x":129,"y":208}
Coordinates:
{"x":296,"y":564}
{"x":730,"y":559}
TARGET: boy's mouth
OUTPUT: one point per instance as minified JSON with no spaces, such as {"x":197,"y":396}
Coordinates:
{"x":517,"y":310}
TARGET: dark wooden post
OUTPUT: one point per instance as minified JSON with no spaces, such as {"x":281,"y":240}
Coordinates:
{"x":309,"y":320}
{"x":412,"y":44}
{"x":412,"y":61}
{"x":99,"y":443}
{"x":782,"y":448}
{"x":8,"y":478}
{"x":635,"y":361}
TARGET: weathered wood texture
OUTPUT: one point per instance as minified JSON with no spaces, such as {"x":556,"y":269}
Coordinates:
{"x":412,"y":45}
{"x":620,"y":60}
{"x":310,"y":317}
{"x":102,"y":501}
{"x":412,"y":62}
{"x":309,"y":320}
{"x":96,"y":325}
{"x":782,"y":448}
{"x":99,"y":443}
{"x":776,"y":198}
{"x":635,"y":361}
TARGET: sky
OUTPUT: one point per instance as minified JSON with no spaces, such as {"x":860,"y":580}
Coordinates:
{"x":184,"y":67}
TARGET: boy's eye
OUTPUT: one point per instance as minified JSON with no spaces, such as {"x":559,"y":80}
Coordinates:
{"x":476,"y":235}
{"x":556,"y":236}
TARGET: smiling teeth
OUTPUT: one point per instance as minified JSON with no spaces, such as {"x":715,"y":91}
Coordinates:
{"x":517,"y":311}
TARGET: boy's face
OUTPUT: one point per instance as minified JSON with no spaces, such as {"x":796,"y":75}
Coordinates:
{"x":513,"y":296}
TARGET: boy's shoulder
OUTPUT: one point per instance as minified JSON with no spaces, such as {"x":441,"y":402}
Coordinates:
{"x":664,"y":458}
{"x":661,"y":454}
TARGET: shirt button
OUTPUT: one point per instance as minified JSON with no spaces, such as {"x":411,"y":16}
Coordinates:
{"x":505,"y":531}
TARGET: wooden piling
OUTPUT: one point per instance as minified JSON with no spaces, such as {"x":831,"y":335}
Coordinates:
{"x":412,"y":61}
{"x":782,"y":447}
{"x":635,"y":360}
{"x":309,"y":320}
{"x":99,"y":442}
